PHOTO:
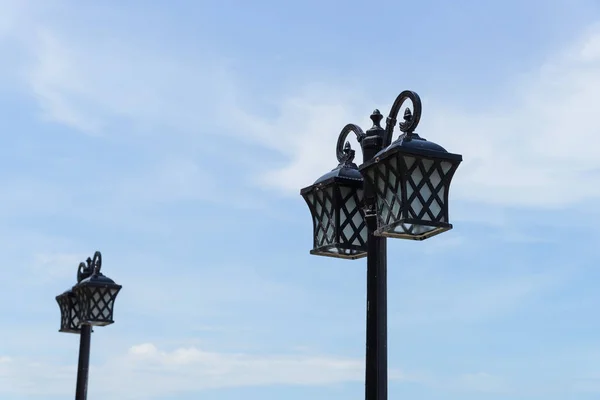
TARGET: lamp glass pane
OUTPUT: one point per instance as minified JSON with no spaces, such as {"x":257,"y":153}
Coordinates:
{"x":352,"y":222}
{"x":411,"y":193}
{"x":69,"y":313}
{"x":339,"y":226}
{"x":75,"y":313}
{"x":324,"y":215}
{"x":97,"y":304}
{"x":101,"y":304}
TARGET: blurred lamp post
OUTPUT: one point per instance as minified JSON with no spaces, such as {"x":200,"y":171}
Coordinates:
{"x":400,"y":191}
{"x":89,"y":303}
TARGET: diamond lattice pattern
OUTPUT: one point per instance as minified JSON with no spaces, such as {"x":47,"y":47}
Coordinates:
{"x":99,"y":303}
{"x":352,"y":223}
{"x":425,"y":182}
{"x":323,"y":215}
{"x":69,"y":313}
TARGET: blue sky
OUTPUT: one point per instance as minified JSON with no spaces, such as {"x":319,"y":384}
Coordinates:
{"x":175,"y":136}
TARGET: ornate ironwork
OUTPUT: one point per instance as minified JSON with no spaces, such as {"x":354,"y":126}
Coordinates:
{"x":343,"y":148}
{"x":69,"y":312}
{"x":401,"y":191}
{"x":97,"y":302}
{"x":411,"y":119}
{"x":412,"y":196}
{"x":348,"y":156}
{"x":95,"y":293}
{"x":410,"y":178}
{"x":91,"y":300}
{"x":90,"y":267}
{"x":335,"y":201}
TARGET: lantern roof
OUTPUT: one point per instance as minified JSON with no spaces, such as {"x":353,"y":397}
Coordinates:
{"x":411,"y":143}
{"x":414,"y":144}
{"x":341,"y":173}
{"x":65,"y":293}
{"x":346,"y":172}
{"x":97,"y":279}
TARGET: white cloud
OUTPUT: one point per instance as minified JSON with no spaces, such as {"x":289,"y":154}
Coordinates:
{"x":538,"y":149}
{"x":89,"y":84}
{"x":8,"y":17}
{"x":147,"y":372}
{"x":305,"y":133}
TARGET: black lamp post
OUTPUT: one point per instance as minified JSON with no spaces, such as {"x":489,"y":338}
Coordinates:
{"x":400,"y":191}
{"x":89,"y":303}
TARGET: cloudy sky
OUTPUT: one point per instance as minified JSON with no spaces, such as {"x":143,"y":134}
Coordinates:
{"x":175,"y":137}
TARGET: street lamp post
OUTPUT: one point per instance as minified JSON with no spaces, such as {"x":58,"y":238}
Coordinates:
{"x":400,"y":191}
{"x":89,"y":303}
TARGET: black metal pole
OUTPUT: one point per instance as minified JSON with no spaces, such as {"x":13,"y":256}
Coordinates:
{"x":376,"y":377}
{"x":84,"y":362}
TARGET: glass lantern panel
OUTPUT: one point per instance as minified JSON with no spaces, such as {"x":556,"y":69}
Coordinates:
{"x":99,"y":302}
{"x":75,"y":314}
{"x":384,"y":180}
{"x":435,"y":178}
{"x":427,"y":188}
{"x":411,"y":193}
{"x":352,"y":223}
{"x":69,"y":313}
{"x":324,"y":217}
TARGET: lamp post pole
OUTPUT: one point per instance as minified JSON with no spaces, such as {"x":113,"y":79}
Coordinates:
{"x":84,"y":362}
{"x":376,"y":377}
{"x":89,"y":303}
{"x":85,"y":336}
{"x":400,"y":191}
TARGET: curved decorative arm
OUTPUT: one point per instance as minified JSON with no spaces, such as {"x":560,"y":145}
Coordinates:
{"x":97,"y":262}
{"x":411,"y":120}
{"x":344,"y":152}
{"x":89,"y":267}
{"x":81,"y":271}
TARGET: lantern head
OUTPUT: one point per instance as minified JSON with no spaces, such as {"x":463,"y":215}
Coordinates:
{"x":335,"y":202}
{"x":69,"y":312}
{"x":96,"y":296}
{"x":411,"y":179}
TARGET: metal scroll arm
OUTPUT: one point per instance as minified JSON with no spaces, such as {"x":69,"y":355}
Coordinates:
{"x":97,"y":262}
{"x":411,"y":120}
{"x":90,"y":267}
{"x":344,"y":152}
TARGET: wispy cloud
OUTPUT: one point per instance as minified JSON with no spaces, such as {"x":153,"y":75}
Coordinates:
{"x":146,"y":371}
{"x":527,"y":152}
{"x":89,"y":85}
{"x":158,"y":152}
{"x":536,"y":150}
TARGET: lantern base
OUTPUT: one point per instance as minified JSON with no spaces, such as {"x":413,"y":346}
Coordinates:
{"x":336,"y":252}
{"x":75,"y":331}
{"x":413,"y":231}
{"x":100,"y":323}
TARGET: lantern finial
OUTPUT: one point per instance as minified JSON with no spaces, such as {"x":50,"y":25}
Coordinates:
{"x":348,"y":155}
{"x":376,"y":117}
